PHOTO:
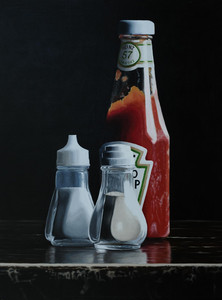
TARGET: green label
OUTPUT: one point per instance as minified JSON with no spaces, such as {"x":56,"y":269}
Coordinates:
{"x":129,"y":54}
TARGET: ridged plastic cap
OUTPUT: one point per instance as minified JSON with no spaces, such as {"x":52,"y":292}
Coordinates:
{"x":136,"y":27}
{"x":116,"y":154}
{"x":72,"y":154}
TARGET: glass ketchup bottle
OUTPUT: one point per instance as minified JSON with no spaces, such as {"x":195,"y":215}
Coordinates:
{"x":135,"y":117}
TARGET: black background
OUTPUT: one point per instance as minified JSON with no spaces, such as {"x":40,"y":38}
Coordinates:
{"x":57,"y":64}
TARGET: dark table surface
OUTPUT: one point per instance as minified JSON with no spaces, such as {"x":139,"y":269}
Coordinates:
{"x":186,"y":265}
{"x":190,"y":242}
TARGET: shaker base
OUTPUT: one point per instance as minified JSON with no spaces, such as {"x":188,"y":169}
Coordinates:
{"x":71,"y":243}
{"x":116,"y":247}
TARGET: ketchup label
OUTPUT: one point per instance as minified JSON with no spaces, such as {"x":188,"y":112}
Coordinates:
{"x":129,"y":54}
{"x":134,"y":54}
{"x":141,"y":172}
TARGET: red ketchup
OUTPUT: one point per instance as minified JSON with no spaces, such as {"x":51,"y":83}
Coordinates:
{"x":135,"y":117}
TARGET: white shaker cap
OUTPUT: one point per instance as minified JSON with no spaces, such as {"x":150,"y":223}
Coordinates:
{"x":72,"y":154}
{"x":116,"y":154}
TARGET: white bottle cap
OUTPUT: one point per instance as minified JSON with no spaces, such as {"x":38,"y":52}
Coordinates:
{"x":72,"y":154}
{"x":136,"y":27}
{"x":116,"y":154}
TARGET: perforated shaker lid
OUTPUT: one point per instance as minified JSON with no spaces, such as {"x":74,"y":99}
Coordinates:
{"x":116,"y":154}
{"x":136,"y":27}
{"x":72,"y":154}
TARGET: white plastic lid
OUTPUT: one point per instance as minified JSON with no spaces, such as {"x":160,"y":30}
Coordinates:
{"x":116,"y":154}
{"x":72,"y":154}
{"x":136,"y":27}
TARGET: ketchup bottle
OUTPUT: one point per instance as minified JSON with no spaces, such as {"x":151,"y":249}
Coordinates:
{"x":135,"y":118}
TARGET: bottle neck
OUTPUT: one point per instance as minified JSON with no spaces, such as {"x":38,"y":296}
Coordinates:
{"x":136,"y":51}
{"x":68,"y":177}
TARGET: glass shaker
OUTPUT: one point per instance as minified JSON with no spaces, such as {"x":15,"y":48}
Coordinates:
{"x":117,"y":222}
{"x":71,"y":206}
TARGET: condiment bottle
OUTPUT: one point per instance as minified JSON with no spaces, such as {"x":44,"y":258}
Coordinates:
{"x":71,"y":205}
{"x":135,"y":117}
{"x":117,"y":221}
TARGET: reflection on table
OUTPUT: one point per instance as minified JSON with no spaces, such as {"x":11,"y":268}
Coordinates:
{"x":153,"y":251}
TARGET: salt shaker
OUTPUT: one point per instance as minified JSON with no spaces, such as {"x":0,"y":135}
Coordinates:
{"x":117,"y":222}
{"x":71,"y":206}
